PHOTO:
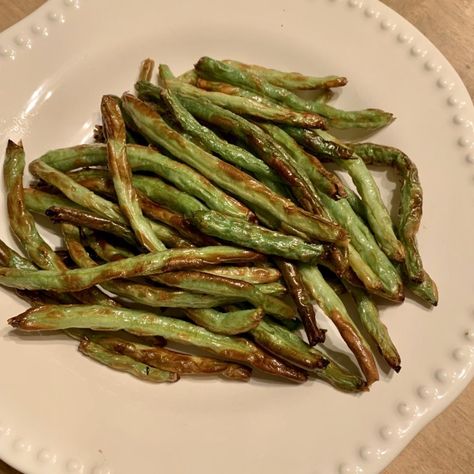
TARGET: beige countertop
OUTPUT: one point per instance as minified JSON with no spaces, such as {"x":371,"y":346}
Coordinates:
{"x":446,"y":445}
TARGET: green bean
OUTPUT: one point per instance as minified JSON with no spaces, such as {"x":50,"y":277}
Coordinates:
{"x":86,"y":198}
{"x":411,"y":200}
{"x":173,"y":361}
{"x":267,"y":150}
{"x":287,"y":345}
{"x":164,"y":297}
{"x":220,"y":286}
{"x":426,"y":289}
{"x":255,"y":275}
{"x":224,"y":88}
{"x":151,"y":190}
{"x":10,"y":258}
{"x":356,"y":203}
{"x":340,"y":378}
{"x":91,"y":221}
{"x":242,"y":105}
{"x":125,"y":363}
{"x":150,"y":324}
{"x":366,"y":275}
{"x":257,"y":237}
{"x":217,"y":70}
{"x":38,"y":201}
{"x":122,"y":175}
{"x":24,"y":227}
{"x":139,"y":293}
{"x":230,"y":178}
{"x":79,"y":194}
{"x":290,"y":80}
{"x":146,"y":69}
{"x":333,"y":307}
{"x":22,"y":223}
{"x":151,"y":187}
{"x":320,"y":143}
{"x":142,"y":265}
{"x":229,"y":324}
{"x":321,"y":178}
{"x":374,"y":209}
{"x":189,"y":77}
{"x":367,"y":249}
{"x":233,"y":154}
{"x":105,"y":250}
{"x":302,"y":300}
{"x":146,"y":159}
{"x":378,"y":216}
{"x":157,"y":212}
{"x":370,"y":319}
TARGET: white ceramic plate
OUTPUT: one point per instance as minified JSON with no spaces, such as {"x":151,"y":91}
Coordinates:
{"x":61,"y":413}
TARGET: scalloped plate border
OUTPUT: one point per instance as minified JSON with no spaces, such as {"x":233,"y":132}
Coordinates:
{"x":447,"y":382}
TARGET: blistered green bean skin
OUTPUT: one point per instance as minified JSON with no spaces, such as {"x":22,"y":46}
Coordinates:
{"x":333,"y":307}
{"x":86,"y":198}
{"x":124,"y":363}
{"x":150,"y":324}
{"x":240,"y":184}
{"x":37,"y":201}
{"x":170,"y":360}
{"x":255,"y":275}
{"x":142,"y":158}
{"x":229,"y":324}
{"x":22,"y":223}
{"x":364,"y":242}
{"x":426,"y":289}
{"x":152,"y":187}
{"x":286,"y":344}
{"x":314,"y":141}
{"x":147,"y":264}
{"x":340,"y":378}
{"x":244,"y":106}
{"x":411,"y":200}
{"x":377,"y":214}
{"x":165,"y":298}
{"x":289,"y":346}
{"x":24,"y":227}
{"x":369,"y":315}
{"x":220,"y":286}
{"x":227,"y":151}
{"x":269,"y":151}
{"x":321,"y":178}
{"x":217,"y":70}
{"x":290,"y":80}
{"x":256,"y":237}
{"x":77,"y":193}
{"x":10,"y":258}
{"x":122,"y":175}
{"x":139,"y":293}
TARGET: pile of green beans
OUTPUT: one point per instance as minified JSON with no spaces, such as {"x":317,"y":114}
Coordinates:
{"x":204,"y":215}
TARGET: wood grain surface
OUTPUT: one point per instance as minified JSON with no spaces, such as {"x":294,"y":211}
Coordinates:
{"x":446,"y":445}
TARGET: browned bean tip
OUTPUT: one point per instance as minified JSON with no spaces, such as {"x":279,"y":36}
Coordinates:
{"x":99,"y":136}
{"x":302,"y":300}
{"x":21,"y":321}
{"x":113,"y":124}
{"x":236,"y":372}
{"x":146,"y":70}
{"x":364,"y":356}
{"x":336,"y":259}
